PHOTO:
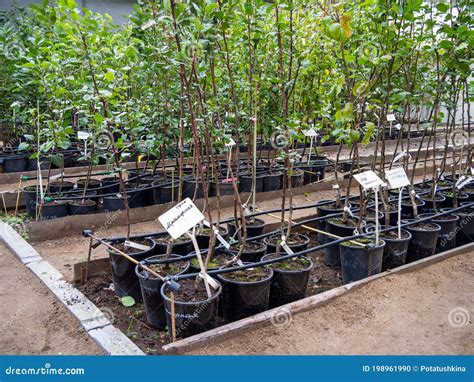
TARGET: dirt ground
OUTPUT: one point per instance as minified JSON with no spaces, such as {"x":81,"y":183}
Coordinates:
{"x":430,"y":311}
{"x":32,"y":320}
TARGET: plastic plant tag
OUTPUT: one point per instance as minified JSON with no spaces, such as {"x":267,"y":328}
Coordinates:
{"x":368,"y":179}
{"x":132,"y":244}
{"x":390,"y":117}
{"x":398,"y":126}
{"x":397,"y":177}
{"x":148,"y":24}
{"x":285,"y":246}
{"x":464,"y":183}
{"x":218,"y":235}
{"x":181,"y":218}
{"x":239,"y":262}
{"x":83,"y":135}
{"x":54,"y":177}
{"x":230,"y":143}
{"x":310,"y":133}
{"x":213,"y":283}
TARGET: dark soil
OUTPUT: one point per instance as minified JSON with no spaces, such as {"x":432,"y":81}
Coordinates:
{"x":165,"y":239}
{"x":351,"y":222}
{"x":249,"y":247}
{"x":82,"y":202}
{"x":294,"y":264}
{"x":251,"y":222}
{"x":217,"y":261}
{"x":187,"y":291}
{"x":169,"y":269}
{"x":248,"y":275}
{"x":293,"y":239}
{"x":393,"y":234}
{"x":445,"y":217}
{"x":424,"y":226}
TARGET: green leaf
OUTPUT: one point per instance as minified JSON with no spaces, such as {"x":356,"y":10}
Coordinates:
{"x":127,"y":301}
{"x":442,"y":7}
{"x":109,"y":76}
{"x":23,"y":146}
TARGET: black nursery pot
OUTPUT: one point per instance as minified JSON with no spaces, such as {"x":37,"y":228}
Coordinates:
{"x":81,"y":207}
{"x":465,"y":229}
{"x":242,"y":299}
{"x":57,"y":186}
{"x":203,"y":239}
{"x":288,"y":285}
{"x":297,"y":178}
{"x":111,"y":185}
{"x":447,"y":234}
{"x":113,"y":203}
{"x":254,"y":229}
{"x":429,"y":205}
{"x":252,"y":253}
{"x":407,"y":208}
{"x":332,"y":254}
{"x":165,"y":192}
{"x":179,"y":248}
{"x":423,"y":241}
{"x":151,"y":291}
{"x":271,"y":248}
{"x":136,"y":197}
{"x":14,"y":163}
{"x":55,"y":209}
{"x":246,"y":183}
{"x":395,"y":250}
{"x":123,"y":271}
{"x":449,"y":202}
{"x":359,"y":262}
{"x":31,"y":197}
{"x":323,"y":208}
{"x":32,"y":164}
{"x":93,"y":184}
{"x":189,"y":188}
{"x":313,"y":171}
{"x":225,"y":188}
{"x":272,"y":182}
{"x":192,"y":317}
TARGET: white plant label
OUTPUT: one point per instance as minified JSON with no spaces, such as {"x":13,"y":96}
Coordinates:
{"x":397,"y":177}
{"x":148,"y":24}
{"x":398,"y":126}
{"x":310,"y":133}
{"x":464,"y":183}
{"x":369,"y":179}
{"x":181,"y":218}
{"x":213,"y":283}
{"x":231,"y":143}
{"x":132,"y":244}
{"x":84,"y":135}
{"x":390,"y":117}
{"x":54,"y":177}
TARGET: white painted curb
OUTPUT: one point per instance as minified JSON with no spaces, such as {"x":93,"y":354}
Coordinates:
{"x":94,"y":322}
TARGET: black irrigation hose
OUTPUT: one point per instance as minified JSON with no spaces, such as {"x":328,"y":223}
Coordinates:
{"x":309,"y":250}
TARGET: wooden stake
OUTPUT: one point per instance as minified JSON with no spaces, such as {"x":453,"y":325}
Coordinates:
{"x":173,"y":319}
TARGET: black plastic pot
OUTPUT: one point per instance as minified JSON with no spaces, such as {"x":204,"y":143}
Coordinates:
{"x":251,"y":254}
{"x":272,"y":182}
{"x":288,"y":285}
{"x":58,"y":187}
{"x":78,"y":208}
{"x":151,"y":292}
{"x":255,"y":229}
{"x":246,"y":181}
{"x":332,"y":255}
{"x":113,"y":203}
{"x":123,"y":271}
{"x":395,"y":250}
{"x":31,"y":197}
{"x":370,"y":216}
{"x":449,"y":202}
{"x":359,"y":262}
{"x":429,"y":205}
{"x":14,"y":163}
{"x":111,"y":185}
{"x":189,"y":188}
{"x":465,"y":229}
{"x":92,"y":185}
{"x":32,"y":164}
{"x":297,"y":178}
{"x":54,"y":209}
{"x":313,"y":171}
{"x":165,"y":192}
{"x":392,"y":212}
{"x":447,"y":234}
{"x":225,"y":188}
{"x":192,"y":317}
{"x":407,"y":208}
{"x":323,"y":209}
{"x":136,"y":197}
{"x":181,"y":248}
{"x":423,"y":241}
{"x":203,"y":239}
{"x":272,"y":248}
{"x":244,"y":299}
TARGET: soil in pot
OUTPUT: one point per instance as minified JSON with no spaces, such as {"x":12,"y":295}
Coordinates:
{"x":359,"y":262}
{"x":218,"y":261}
{"x":289,"y":281}
{"x":449,"y":195}
{"x":296,"y":241}
{"x":423,"y":241}
{"x":395,"y":250}
{"x":336,"y":226}
{"x":194,"y":311}
{"x":81,"y":206}
{"x":245,"y":292}
{"x":253,"y":251}
{"x":255,"y":227}
{"x":181,"y":246}
{"x":123,"y":271}
{"x":151,"y":286}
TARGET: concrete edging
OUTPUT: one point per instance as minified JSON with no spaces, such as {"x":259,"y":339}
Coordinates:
{"x":91,"y":318}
